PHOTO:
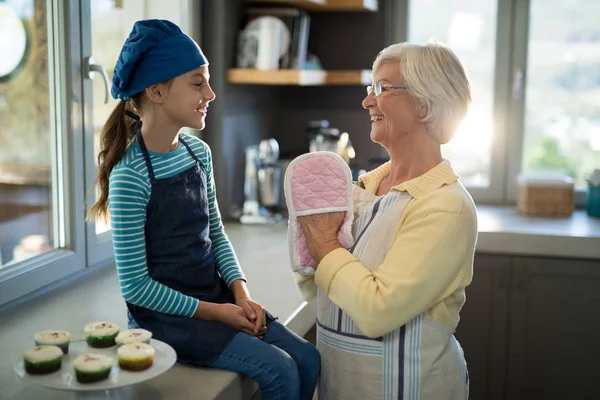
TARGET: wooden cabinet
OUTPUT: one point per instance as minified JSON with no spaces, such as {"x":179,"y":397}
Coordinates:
{"x":529,"y":328}
{"x":483,"y":326}
{"x":325,"y":5}
{"x":554,"y":351}
{"x":299,"y":77}
{"x":252,"y":105}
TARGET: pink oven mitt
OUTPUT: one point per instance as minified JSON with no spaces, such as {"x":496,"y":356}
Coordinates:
{"x":316,"y":183}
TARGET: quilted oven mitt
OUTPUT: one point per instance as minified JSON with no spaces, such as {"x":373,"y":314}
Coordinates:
{"x":316,"y":183}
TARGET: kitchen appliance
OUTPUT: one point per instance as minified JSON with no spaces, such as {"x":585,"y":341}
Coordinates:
{"x":322,"y":137}
{"x":262,"y":184}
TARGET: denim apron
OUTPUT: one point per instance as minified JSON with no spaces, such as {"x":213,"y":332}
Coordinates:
{"x":179,"y":255}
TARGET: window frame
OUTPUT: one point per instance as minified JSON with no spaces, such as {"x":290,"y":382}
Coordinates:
{"x":98,"y":246}
{"x":517,"y":105}
{"x":80,"y":250}
{"x":33,"y":274}
{"x":520,"y":48}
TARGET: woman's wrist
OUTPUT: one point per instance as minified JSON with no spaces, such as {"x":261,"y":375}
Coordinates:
{"x":326,"y":248}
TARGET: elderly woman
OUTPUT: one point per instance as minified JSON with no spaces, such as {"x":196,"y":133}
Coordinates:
{"x":388,"y":307}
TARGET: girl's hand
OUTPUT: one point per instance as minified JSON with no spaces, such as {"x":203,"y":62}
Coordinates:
{"x":254,"y":312}
{"x":234,"y":316}
{"x":229,"y":314}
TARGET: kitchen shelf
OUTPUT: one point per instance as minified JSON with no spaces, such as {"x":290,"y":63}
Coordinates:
{"x":294,"y":77}
{"x":326,"y":5}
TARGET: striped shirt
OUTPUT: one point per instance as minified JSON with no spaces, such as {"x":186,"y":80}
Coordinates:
{"x":128,"y":197}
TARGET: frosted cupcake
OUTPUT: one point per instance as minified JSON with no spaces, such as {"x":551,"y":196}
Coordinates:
{"x":54,"y":338}
{"x":133,"y":336}
{"x":101,"y":334}
{"x":135,"y":356}
{"x":42,"y":360}
{"x":91,"y":368}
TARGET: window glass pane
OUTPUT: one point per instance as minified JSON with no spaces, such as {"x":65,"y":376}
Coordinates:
{"x":468,"y":27}
{"x":111,"y":23}
{"x":562,"y":114}
{"x":110,"y":28}
{"x":27,"y":227}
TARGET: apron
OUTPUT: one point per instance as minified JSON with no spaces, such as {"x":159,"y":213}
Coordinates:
{"x":421,"y":360}
{"x":179,"y":255}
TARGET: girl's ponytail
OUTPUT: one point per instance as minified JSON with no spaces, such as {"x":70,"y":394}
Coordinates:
{"x":115,"y":136}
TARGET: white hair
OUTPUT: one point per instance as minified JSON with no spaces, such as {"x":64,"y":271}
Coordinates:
{"x":436,"y":78}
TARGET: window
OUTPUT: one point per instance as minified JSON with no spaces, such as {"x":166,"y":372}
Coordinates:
{"x":27,"y":182}
{"x":40,"y":229}
{"x":533,"y":67}
{"x":110,"y":22}
{"x":47,"y":150}
{"x":469,"y":28}
{"x":562,"y":106}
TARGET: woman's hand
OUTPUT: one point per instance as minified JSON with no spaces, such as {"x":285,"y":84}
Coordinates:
{"x":255,"y":313}
{"x":321,"y":233}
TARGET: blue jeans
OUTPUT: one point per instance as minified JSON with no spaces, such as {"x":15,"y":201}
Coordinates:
{"x":285,"y":366}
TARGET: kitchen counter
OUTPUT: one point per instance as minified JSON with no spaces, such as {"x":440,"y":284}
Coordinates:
{"x":263,"y":253}
{"x":502,"y":230}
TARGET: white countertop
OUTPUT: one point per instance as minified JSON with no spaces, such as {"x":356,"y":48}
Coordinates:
{"x":263,"y":253}
{"x":502,"y":230}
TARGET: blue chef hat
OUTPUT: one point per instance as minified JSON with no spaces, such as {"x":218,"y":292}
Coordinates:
{"x":155,"y":51}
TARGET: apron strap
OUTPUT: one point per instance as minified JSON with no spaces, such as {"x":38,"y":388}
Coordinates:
{"x":360,"y":235}
{"x":140,"y":140}
{"x":189,"y":150}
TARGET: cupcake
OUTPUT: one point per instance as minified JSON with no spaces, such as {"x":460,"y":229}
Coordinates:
{"x":42,"y":360}
{"x":133,"y":336}
{"x":135,"y":356}
{"x":54,"y":338}
{"x":92,"y":367}
{"x":101,"y":334}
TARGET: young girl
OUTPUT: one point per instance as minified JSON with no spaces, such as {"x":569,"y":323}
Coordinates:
{"x":177,"y":270}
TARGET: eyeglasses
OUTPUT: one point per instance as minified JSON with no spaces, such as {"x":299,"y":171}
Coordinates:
{"x":378,"y":88}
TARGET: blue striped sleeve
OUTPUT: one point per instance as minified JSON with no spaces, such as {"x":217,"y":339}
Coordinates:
{"x":128,"y":197}
{"x":227,"y":262}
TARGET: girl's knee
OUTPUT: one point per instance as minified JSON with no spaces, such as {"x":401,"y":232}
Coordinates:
{"x":284,"y":378}
{"x":310,"y":357}
{"x":285,"y":368}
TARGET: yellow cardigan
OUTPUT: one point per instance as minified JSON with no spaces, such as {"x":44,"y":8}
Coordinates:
{"x":427,"y":267}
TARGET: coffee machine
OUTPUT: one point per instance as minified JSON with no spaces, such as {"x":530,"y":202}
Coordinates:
{"x":322,"y":137}
{"x":262,"y":184}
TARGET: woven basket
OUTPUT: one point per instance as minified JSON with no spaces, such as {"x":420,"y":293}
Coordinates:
{"x":546,"y":197}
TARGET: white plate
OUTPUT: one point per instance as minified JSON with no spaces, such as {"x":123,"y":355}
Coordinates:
{"x":250,"y":38}
{"x":64,"y":379}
